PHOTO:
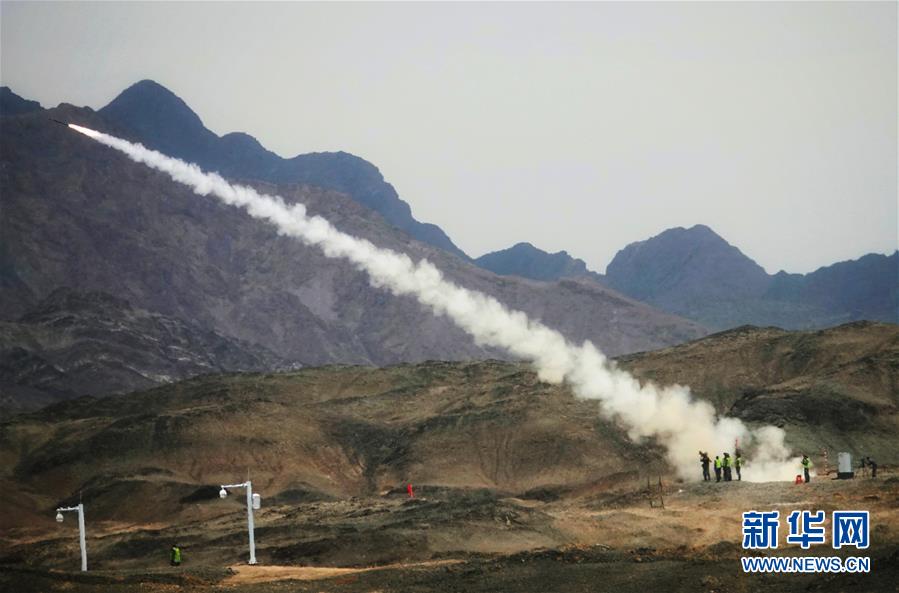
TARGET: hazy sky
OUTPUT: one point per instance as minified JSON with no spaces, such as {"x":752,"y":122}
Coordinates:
{"x":573,"y":126}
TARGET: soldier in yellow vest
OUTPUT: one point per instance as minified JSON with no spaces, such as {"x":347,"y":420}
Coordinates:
{"x":727,"y":465}
{"x":176,"y":555}
{"x":806,"y":465}
{"x":717,"y":468}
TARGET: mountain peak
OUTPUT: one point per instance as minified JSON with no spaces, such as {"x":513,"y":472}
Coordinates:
{"x":697,"y":240}
{"x":701,"y":228}
{"x":160,"y":118}
{"x":148,"y":86}
{"x":680,"y":267}
{"x":525,"y":248}
{"x":525,"y":260}
{"x":693,"y":233}
{"x":149,"y":94}
{"x":13,"y":104}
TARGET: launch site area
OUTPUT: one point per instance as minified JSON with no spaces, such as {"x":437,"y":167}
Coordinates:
{"x":478,"y":297}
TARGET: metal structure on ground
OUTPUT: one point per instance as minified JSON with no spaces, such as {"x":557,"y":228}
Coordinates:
{"x":254,"y":501}
{"x":81,"y":534}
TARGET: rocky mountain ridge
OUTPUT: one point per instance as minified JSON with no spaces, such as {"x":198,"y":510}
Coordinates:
{"x":164,"y":122}
{"x":695,"y":273}
{"x":13,"y":104}
{"x":527,"y":261}
{"x":689,"y":272}
{"x":79,"y":215}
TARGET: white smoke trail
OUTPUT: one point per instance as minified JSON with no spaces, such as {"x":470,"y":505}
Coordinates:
{"x":682,"y":424}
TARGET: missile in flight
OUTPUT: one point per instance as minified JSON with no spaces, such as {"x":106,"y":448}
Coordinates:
{"x":62,"y":123}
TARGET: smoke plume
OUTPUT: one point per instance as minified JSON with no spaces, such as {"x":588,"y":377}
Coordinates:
{"x":670,"y":415}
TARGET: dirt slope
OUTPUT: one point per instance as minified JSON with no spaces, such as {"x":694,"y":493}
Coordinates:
{"x":340,"y":431}
{"x":519,"y":487}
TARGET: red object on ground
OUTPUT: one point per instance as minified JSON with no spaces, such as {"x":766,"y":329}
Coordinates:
{"x":409,"y":490}
{"x":799,"y":479}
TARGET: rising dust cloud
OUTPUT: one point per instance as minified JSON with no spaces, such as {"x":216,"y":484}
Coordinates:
{"x":682,"y":424}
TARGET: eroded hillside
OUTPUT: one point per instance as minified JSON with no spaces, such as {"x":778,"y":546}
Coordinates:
{"x":342,"y":431}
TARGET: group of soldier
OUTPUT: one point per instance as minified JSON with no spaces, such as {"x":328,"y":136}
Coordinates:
{"x":724,"y":466}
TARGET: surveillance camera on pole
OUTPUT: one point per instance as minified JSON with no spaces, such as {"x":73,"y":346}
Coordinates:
{"x":254,"y":501}
{"x":59,"y":519}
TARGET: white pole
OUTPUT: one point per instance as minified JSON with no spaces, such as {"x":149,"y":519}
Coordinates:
{"x":81,"y":537}
{"x":250,"y":522}
{"x":81,"y":530}
{"x":249,"y":486}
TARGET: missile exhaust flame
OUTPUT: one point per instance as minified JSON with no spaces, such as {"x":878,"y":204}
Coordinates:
{"x":671,"y":415}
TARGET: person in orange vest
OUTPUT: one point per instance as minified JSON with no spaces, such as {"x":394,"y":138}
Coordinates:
{"x":409,"y":490}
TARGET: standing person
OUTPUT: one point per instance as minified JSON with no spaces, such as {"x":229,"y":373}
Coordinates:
{"x":806,"y":465}
{"x":728,"y":462}
{"x":410,"y":491}
{"x":738,"y":463}
{"x":717,"y":469}
{"x":176,"y":555}
{"x":705,"y":461}
{"x":873,"y":465}
{"x":864,"y":467}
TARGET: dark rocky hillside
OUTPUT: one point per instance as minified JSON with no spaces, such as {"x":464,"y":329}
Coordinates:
{"x":518,"y":485}
{"x":697,"y":274}
{"x":344,"y":431}
{"x":78,"y":343}
{"x":836,"y":388}
{"x":13,"y":104}
{"x":161,"y":120}
{"x":80,"y":215}
{"x":865,"y":288}
{"x":527,"y":261}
